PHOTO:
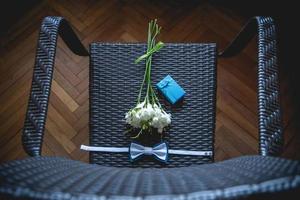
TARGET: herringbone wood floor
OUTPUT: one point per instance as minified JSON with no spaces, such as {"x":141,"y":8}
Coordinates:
{"x":126,"y":21}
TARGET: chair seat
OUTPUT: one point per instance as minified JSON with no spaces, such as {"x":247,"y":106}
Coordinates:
{"x":62,"y":178}
{"x":114,"y":86}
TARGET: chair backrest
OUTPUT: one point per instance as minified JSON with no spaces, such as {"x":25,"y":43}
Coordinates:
{"x":114,"y":86}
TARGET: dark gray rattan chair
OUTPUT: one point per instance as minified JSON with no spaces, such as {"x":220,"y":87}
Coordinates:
{"x":113,"y":84}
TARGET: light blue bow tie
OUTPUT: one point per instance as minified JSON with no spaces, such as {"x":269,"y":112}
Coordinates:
{"x":159,"y":151}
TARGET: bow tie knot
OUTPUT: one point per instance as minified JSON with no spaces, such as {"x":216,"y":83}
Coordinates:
{"x":159,"y":151}
{"x":148,"y":151}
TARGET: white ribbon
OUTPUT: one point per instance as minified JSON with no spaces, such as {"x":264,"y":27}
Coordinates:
{"x":104,"y":149}
{"x":190,"y":153}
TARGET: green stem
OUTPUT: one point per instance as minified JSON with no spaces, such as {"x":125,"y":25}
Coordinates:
{"x":140,"y":92}
{"x":155,"y":99}
{"x":148,"y":60}
{"x":153,"y":31}
{"x":134,"y":137}
{"x":145,"y":74}
{"x":149,"y":78}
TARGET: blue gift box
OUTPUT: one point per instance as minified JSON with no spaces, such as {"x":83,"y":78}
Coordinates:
{"x":170,"y":89}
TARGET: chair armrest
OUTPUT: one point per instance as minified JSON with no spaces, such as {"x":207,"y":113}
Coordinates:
{"x":35,"y":119}
{"x":269,"y":111}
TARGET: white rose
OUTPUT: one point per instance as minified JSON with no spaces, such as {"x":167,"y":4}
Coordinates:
{"x":152,"y":114}
{"x":155,"y":122}
{"x":136,"y":119}
{"x":128,"y":117}
{"x":140,"y":105}
{"x":166,"y":119}
{"x":157,"y":112}
{"x":147,"y":113}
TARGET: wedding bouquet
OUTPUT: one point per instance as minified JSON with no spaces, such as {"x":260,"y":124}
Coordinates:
{"x":148,"y":114}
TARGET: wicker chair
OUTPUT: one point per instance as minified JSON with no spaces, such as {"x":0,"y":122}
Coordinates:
{"x":113,"y":82}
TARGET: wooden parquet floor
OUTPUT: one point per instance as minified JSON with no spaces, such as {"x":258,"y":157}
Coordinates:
{"x":126,"y":21}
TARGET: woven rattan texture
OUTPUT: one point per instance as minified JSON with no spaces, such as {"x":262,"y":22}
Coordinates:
{"x":40,"y":89}
{"x":59,"y":178}
{"x":114,"y":86}
{"x":270,"y":124}
{"x":36,"y":115}
{"x":269,"y":111}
